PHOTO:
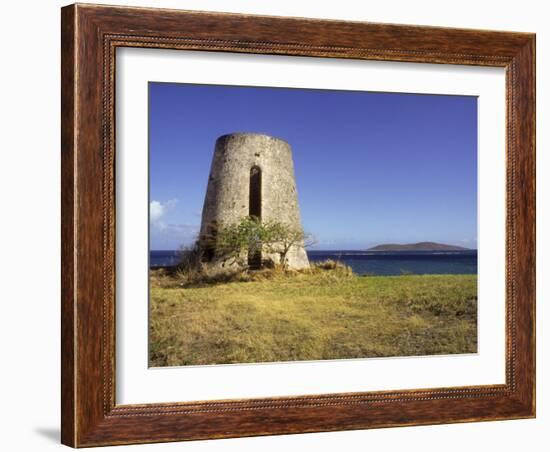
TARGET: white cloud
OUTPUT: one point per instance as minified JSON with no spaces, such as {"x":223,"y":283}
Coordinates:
{"x":166,"y":235}
{"x":158,"y":209}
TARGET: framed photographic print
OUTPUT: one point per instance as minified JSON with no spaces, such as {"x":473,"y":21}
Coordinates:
{"x":281,"y":225}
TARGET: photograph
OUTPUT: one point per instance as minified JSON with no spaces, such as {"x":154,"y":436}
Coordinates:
{"x":291,"y":224}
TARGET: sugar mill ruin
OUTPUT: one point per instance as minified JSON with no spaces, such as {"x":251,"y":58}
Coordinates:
{"x":253,"y":175}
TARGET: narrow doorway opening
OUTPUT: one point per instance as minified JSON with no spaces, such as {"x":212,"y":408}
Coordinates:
{"x":255,"y":210}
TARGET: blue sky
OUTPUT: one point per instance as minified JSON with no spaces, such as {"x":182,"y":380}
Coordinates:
{"x":370,"y":167}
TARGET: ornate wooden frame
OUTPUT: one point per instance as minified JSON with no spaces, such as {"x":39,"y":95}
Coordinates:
{"x":90,"y":35}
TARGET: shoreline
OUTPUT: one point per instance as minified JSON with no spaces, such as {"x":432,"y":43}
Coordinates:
{"x":385,"y":263}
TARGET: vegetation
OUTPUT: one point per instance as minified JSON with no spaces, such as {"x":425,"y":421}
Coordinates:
{"x":421,"y":246}
{"x":233,"y":243}
{"x":326,"y":312}
{"x":280,"y":238}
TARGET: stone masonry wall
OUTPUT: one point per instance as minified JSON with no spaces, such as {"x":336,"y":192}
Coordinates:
{"x":227,"y":195}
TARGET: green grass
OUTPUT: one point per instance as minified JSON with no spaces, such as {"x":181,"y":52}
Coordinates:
{"x":323,"y":314}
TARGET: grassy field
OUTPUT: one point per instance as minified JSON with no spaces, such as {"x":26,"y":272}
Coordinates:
{"x":322,"y":314}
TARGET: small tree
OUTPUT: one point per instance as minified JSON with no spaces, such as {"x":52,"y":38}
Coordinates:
{"x":280,"y":238}
{"x":234,"y":242}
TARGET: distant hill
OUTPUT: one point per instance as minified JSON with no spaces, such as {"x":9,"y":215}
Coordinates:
{"x":421,"y":246}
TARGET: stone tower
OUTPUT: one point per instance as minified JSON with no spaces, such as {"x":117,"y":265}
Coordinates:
{"x":253,"y":175}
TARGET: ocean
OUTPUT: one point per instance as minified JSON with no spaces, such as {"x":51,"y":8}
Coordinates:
{"x":376,"y":262}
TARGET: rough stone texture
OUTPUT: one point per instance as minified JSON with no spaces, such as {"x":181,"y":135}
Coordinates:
{"x":228,"y":191}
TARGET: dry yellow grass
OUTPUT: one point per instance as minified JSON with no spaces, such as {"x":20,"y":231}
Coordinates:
{"x":321,"y":314}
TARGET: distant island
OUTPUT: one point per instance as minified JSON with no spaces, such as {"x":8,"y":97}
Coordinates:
{"x":421,"y":246}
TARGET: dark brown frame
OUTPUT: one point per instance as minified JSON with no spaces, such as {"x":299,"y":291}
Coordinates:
{"x":90,"y":35}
